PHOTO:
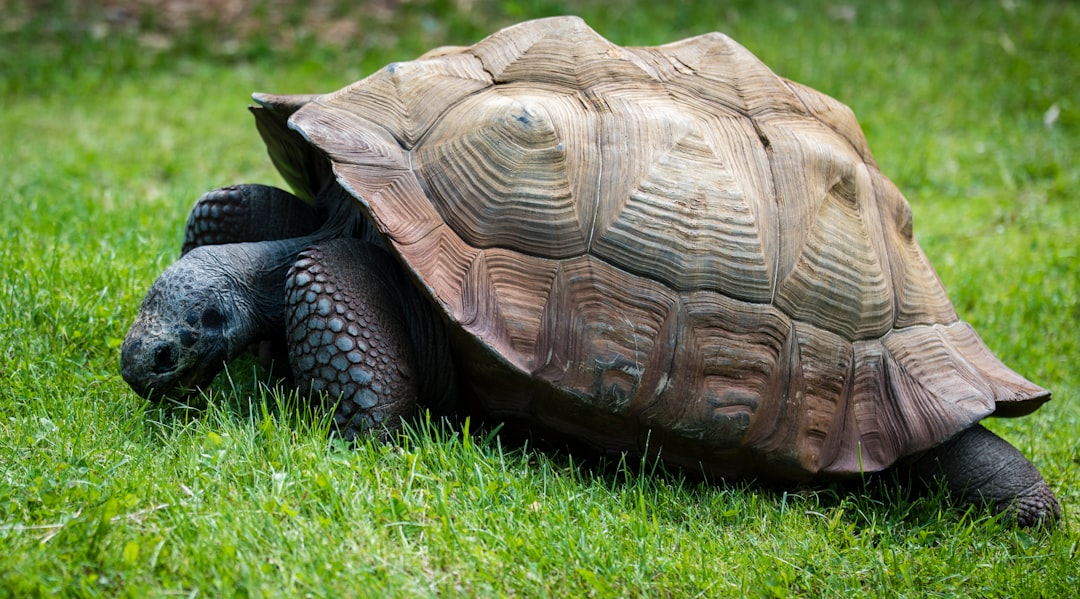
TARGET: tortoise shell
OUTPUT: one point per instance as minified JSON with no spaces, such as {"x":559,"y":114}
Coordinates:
{"x":667,"y":248}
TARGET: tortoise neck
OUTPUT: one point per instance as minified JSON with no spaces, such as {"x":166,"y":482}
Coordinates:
{"x":259,"y":270}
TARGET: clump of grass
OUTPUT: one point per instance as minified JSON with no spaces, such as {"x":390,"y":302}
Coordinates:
{"x":107,"y":142}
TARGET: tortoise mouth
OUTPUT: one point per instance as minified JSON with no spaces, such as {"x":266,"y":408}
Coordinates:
{"x":162,"y":373}
{"x":200,"y":376}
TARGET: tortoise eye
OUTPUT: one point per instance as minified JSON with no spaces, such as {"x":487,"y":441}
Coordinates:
{"x":212,"y":318}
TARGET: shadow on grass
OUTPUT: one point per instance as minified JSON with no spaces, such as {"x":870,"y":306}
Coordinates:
{"x":880,"y":507}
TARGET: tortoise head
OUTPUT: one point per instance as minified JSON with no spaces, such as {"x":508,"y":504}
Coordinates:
{"x":181,"y":337}
{"x":203,"y":311}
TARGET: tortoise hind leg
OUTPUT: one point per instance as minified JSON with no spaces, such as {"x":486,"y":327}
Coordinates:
{"x":347,"y":335}
{"x":978,"y":467}
{"x":252,"y":212}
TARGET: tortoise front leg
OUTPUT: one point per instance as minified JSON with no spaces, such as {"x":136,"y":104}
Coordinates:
{"x":979,"y":467}
{"x":251,"y":212}
{"x":348,"y":338}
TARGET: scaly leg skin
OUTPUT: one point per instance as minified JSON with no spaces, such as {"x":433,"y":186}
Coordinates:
{"x":978,"y":467}
{"x":348,"y":338}
{"x":240,"y":213}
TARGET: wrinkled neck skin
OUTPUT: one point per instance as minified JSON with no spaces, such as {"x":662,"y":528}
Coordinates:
{"x":206,"y":309}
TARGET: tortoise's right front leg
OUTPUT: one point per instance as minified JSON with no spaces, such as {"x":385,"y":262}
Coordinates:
{"x":252,"y":212}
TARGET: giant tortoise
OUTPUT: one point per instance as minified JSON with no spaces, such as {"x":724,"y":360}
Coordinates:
{"x":667,"y":249}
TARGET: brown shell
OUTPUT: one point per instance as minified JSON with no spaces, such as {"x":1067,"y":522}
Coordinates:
{"x":666,"y":246}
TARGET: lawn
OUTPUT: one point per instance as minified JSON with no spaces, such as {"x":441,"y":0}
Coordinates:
{"x":112,"y":122}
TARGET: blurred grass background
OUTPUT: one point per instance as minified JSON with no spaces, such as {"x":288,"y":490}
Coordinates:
{"x":116,"y":115}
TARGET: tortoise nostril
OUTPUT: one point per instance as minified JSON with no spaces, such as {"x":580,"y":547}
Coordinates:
{"x":164,"y":360}
{"x":188,"y":337}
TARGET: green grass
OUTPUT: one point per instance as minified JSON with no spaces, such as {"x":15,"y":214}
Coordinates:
{"x":105,"y":141}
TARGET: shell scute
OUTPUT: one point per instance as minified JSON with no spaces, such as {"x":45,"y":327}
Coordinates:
{"x":406,"y":98}
{"x":1013,"y":394}
{"x":375,"y":186}
{"x":691,"y":221}
{"x":838,"y":281}
{"x":523,"y":285}
{"x":600,"y":341}
{"x":920,"y":296}
{"x":728,"y":361}
{"x":836,"y":116}
{"x":497,"y":170}
{"x":563,"y":52}
{"x":720,"y":71}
